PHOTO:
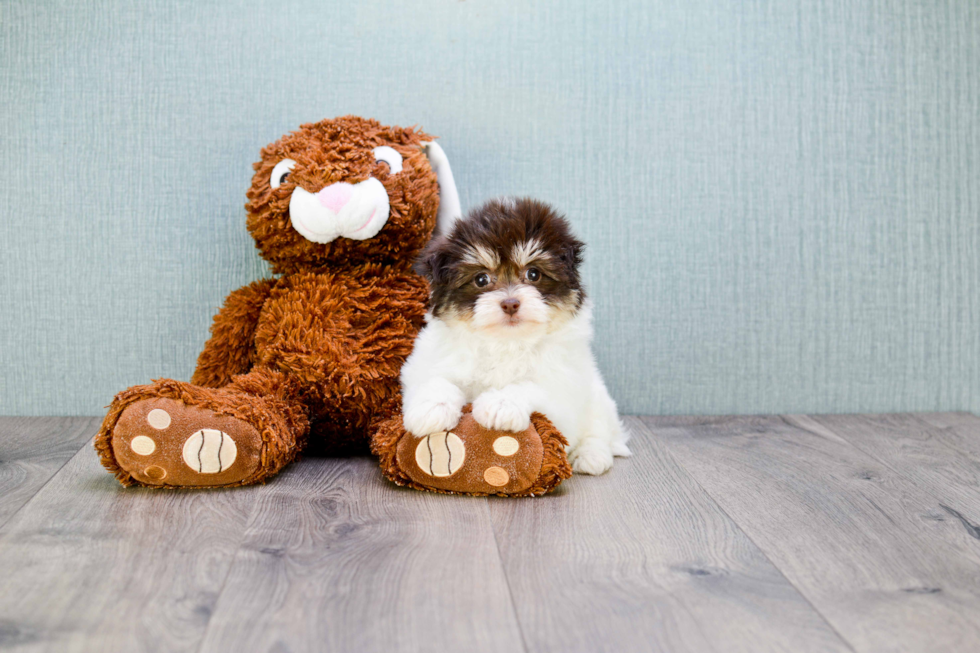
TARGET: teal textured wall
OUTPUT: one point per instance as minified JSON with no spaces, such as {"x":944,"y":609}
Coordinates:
{"x":781,"y":199}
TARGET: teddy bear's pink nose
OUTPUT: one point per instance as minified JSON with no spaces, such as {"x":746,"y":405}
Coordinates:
{"x":335,"y":196}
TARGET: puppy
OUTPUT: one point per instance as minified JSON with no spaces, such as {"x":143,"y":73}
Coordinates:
{"x":509,"y":329}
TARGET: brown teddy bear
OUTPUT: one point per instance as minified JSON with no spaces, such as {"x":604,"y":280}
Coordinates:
{"x":340,"y":209}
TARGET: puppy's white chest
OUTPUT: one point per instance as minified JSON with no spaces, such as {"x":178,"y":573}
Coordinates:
{"x":495,"y":365}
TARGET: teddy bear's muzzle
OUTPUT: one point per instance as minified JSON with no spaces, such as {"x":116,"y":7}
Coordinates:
{"x":356,"y":211}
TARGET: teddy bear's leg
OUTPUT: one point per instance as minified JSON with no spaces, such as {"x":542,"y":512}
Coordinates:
{"x":470,"y":459}
{"x":175,"y":434}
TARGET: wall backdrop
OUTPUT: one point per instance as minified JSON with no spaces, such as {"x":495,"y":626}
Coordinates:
{"x":781,"y":198}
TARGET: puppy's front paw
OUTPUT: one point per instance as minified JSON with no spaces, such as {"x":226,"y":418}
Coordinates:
{"x":592,"y":457}
{"x":494,"y":410}
{"x":431,"y":417}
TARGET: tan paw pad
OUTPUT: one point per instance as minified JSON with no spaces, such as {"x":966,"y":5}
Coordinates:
{"x":155,"y":472}
{"x":506,"y":446}
{"x":440,"y":454}
{"x":496,"y":476}
{"x":143,"y":445}
{"x":158,"y":419}
{"x":209,"y":451}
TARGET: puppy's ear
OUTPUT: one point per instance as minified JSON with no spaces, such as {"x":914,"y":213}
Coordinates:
{"x":431,"y":263}
{"x":571,"y":253}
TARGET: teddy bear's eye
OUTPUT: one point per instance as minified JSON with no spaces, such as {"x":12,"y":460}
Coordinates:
{"x":389,"y":156}
{"x":280,"y":172}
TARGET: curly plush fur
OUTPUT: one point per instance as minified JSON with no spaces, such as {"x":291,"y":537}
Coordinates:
{"x":314,"y":353}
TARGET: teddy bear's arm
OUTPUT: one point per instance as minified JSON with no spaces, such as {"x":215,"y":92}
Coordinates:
{"x":229,"y":349}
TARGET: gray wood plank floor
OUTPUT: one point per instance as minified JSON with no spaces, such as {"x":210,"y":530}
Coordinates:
{"x":32,"y":449}
{"x":796,"y":533}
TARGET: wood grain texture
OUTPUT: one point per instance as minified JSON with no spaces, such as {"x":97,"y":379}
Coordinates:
{"x":945,"y":462}
{"x":720,"y":534}
{"x":957,"y":423}
{"x":641,"y":559}
{"x":958,"y":432}
{"x":859,"y":540}
{"x":88,"y":565}
{"x":32,"y":449}
{"x":337,"y":559}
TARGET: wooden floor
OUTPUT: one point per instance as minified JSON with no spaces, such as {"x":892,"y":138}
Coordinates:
{"x":793,"y":533}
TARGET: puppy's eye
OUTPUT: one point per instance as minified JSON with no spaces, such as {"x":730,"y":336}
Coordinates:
{"x":533,"y":275}
{"x":482,"y":280}
{"x":280,"y":172}
{"x":389,"y":156}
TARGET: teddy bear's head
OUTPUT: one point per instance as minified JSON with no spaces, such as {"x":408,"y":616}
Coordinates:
{"x":348,"y":191}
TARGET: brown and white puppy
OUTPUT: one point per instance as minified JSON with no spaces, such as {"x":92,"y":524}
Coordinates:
{"x":509,"y":329}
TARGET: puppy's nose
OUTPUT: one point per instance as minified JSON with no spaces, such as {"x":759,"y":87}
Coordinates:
{"x":510,"y":305}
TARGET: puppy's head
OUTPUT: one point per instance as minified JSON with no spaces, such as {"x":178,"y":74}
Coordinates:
{"x":510,"y":266}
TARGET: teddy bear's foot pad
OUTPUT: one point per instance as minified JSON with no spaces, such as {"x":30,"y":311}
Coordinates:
{"x":161,"y":441}
{"x":473,"y":460}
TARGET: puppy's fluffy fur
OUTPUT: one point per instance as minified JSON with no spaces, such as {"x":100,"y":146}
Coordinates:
{"x":509,"y":329}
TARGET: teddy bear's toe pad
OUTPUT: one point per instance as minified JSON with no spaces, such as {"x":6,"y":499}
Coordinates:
{"x":474,"y":460}
{"x":164,"y":442}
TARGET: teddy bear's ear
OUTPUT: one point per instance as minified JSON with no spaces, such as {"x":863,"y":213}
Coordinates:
{"x":449,"y":208}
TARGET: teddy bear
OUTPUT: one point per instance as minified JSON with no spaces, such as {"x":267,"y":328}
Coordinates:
{"x":339,"y":209}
